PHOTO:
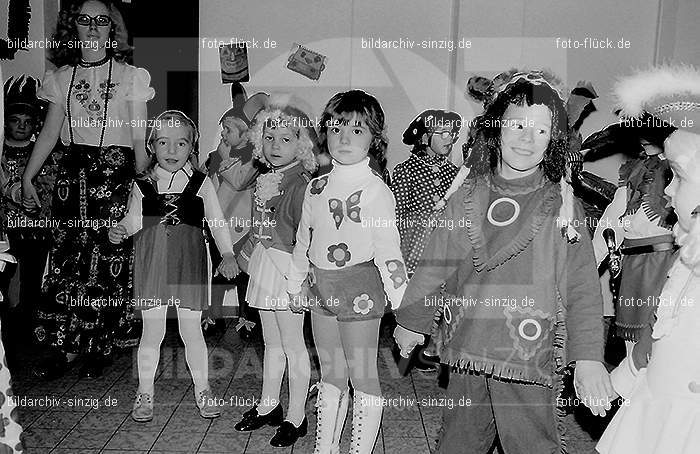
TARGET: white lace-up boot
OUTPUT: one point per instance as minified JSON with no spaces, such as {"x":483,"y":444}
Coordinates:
{"x":366,"y":419}
{"x":332,"y":408}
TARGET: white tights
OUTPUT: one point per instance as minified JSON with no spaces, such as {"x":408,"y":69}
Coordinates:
{"x":348,"y":350}
{"x":283,"y":333}
{"x":189,"y":324}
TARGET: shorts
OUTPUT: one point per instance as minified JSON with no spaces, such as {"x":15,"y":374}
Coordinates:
{"x":351,"y":294}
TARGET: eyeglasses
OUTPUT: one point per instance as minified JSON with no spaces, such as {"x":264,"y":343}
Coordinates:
{"x":86,"y":21}
{"x":445,"y":135}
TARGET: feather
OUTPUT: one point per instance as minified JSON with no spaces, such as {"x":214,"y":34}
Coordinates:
{"x":634,"y":92}
{"x":580,"y":104}
{"x":18,"y":18}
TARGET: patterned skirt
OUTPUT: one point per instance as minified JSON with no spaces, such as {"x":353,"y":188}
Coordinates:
{"x":88,"y":285}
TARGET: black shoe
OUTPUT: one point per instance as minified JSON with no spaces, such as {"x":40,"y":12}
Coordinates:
{"x":287,"y":434}
{"x":92,"y":367}
{"x":253,"y":421}
{"x":51,"y":367}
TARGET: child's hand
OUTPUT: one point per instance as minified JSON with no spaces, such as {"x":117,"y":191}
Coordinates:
{"x":298,"y":303}
{"x":593,"y":387}
{"x":30,"y":198}
{"x":228,"y":266}
{"x":117,"y":234}
{"x":407,"y":340}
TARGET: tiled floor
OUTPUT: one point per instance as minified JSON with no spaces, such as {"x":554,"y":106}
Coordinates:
{"x":92,"y":416}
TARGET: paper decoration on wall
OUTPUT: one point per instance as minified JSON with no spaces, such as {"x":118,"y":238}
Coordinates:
{"x":306,"y":62}
{"x":234,"y":63}
{"x":19,"y":14}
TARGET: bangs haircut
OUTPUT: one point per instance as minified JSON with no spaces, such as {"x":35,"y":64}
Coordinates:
{"x":343,"y":106}
{"x":486,"y":154}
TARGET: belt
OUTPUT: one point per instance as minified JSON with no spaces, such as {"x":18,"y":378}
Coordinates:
{"x":658,"y":247}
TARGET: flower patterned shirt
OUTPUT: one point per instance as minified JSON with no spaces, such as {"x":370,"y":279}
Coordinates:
{"x":348,"y":217}
{"x":129,"y":84}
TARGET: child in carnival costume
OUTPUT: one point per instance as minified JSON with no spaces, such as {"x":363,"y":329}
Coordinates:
{"x":234,"y":194}
{"x":663,"y":386}
{"x":30,"y":245}
{"x":10,"y":436}
{"x":418,"y":183}
{"x":284,"y":141}
{"x":530,"y":274}
{"x":423,"y":178}
{"x":353,"y":266}
{"x":640,"y":217}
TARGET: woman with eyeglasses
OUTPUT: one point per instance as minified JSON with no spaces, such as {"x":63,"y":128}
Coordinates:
{"x":98,"y":109}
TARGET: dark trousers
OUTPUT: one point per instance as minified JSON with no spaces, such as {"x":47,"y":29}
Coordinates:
{"x":523,"y":417}
{"x":219,"y":286}
{"x":22,"y":281}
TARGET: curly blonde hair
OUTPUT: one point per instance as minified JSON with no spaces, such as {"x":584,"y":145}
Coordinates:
{"x":294,"y":119}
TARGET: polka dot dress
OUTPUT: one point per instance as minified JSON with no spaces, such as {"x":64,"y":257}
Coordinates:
{"x":417,"y":184}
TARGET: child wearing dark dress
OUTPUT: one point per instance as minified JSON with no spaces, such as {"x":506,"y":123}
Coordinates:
{"x":169,"y":209}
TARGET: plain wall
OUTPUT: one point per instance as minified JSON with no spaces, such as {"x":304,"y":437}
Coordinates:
{"x":503,"y":34}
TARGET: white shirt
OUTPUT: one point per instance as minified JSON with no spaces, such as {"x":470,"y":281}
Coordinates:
{"x":351,"y":213}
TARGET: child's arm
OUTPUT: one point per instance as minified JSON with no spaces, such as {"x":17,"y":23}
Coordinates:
{"x":584,"y":299}
{"x":387,"y":247}
{"x":219,"y":229}
{"x":299,"y":267}
{"x":462,"y":175}
{"x":443,"y":254}
{"x":296,"y":204}
{"x":215,"y":218}
{"x":584,"y":323}
{"x":132,"y":221}
{"x":401,"y":187}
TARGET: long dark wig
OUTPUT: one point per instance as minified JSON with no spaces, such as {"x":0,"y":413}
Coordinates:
{"x":485,"y":137}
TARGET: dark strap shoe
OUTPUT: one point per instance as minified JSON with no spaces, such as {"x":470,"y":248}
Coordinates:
{"x":287,"y":434}
{"x":93,"y":366}
{"x":253,"y":421}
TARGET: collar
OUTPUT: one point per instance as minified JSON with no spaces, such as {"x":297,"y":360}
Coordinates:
{"x":520,"y":185}
{"x":161,"y":173}
{"x":92,"y":64}
{"x":14,"y":144}
{"x":351,"y":170}
{"x":432,"y":160}
{"x":285,"y":168}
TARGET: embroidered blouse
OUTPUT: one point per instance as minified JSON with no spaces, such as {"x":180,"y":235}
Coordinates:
{"x":129,"y":84}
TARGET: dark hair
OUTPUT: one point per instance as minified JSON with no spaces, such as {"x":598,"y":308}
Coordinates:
{"x":344,"y":105}
{"x":485,"y":148}
{"x":67,"y":32}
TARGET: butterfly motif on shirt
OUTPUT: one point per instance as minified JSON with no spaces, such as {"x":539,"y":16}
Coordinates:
{"x":352,"y":208}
